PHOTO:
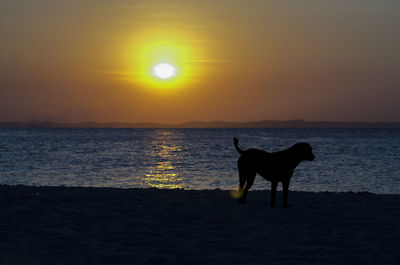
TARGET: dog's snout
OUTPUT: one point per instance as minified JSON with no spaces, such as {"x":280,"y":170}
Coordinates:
{"x":312,"y":157}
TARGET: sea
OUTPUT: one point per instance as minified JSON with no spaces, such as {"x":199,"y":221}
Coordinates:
{"x":347,"y":160}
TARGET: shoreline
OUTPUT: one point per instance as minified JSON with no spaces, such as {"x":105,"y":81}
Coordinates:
{"x":79,"y":225}
{"x":362,"y":192}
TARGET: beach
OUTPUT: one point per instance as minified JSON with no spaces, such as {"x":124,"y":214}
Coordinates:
{"x":66,"y":225}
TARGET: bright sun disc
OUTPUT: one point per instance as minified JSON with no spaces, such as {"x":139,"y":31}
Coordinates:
{"x":164,"y":59}
{"x":164,"y":70}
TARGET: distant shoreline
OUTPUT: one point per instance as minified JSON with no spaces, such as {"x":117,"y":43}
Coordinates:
{"x":209,"y":124}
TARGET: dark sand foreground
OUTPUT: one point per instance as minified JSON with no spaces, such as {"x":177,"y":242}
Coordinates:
{"x":57,"y":225}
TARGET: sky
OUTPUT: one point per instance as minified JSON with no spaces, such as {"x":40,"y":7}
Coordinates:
{"x":80,"y":60}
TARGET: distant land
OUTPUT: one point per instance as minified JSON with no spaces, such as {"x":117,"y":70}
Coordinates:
{"x":209,"y":124}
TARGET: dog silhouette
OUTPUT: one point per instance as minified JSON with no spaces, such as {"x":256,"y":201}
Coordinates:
{"x":275,"y":167}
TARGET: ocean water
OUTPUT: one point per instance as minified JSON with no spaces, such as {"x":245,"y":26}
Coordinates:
{"x":346,"y":159}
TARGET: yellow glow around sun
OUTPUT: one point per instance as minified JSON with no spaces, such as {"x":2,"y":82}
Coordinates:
{"x":164,"y":59}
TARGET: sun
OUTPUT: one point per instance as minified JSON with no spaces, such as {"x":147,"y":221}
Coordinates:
{"x":165,"y":60}
{"x":164,"y":70}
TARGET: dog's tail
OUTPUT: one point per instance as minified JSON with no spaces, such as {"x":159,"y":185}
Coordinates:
{"x":236,"y":144}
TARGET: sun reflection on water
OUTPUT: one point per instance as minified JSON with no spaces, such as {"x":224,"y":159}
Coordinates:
{"x":165,"y":152}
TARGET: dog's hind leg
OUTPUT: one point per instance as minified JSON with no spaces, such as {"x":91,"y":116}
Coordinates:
{"x":249,"y":183}
{"x":242,"y":181}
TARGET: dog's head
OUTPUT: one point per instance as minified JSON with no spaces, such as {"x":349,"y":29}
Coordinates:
{"x":304,"y":151}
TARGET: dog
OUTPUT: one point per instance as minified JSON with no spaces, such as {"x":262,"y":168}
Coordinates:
{"x":275,"y":167}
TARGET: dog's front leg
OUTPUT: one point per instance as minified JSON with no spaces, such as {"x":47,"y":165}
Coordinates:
{"x":285,"y":185}
{"x":274,"y":184}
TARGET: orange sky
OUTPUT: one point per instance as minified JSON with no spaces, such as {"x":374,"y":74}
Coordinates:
{"x":246,"y":60}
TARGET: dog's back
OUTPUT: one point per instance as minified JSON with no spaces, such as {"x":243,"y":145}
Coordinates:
{"x":266,"y":164}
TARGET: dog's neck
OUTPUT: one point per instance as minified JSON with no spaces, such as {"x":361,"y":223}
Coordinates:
{"x":294,"y":162}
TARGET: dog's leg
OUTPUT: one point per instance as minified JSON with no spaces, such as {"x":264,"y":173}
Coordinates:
{"x":239,"y":194}
{"x":274,"y":184}
{"x":242,"y":181}
{"x":285,"y":185}
{"x":249,"y":183}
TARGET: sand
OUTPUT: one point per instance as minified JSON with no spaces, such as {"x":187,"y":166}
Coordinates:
{"x":59,"y":225}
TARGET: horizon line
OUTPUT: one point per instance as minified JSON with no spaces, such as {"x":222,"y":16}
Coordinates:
{"x":297,"y":123}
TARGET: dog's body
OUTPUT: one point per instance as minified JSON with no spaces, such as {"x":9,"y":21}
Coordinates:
{"x":275,"y":167}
